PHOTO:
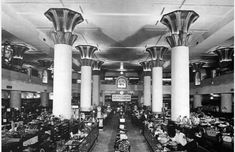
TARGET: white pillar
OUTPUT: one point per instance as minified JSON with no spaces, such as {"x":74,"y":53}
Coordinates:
{"x":197,"y":102}
{"x":178,"y":22}
{"x":44,"y":99}
{"x":85,"y":103}
{"x":64,"y":21}
{"x":147,"y":90}
{"x":62,"y":87}
{"x":226,"y":103}
{"x":15,"y":99}
{"x":180,"y":82}
{"x":157,"y":98}
{"x":96,"y":90}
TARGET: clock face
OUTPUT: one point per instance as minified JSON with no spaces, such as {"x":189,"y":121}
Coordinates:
{"x":121,"y":83}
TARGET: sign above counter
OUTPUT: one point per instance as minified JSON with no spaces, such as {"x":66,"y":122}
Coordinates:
{"x":121,"y":97}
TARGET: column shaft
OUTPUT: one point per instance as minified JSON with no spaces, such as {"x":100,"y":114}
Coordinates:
{"x":180,"y":82}
{"x":44,"y":99}
{"x":62,"y":89}
{"x":197,"y":102}
{"x":85,"y":88}
{"x":147,"y":90}
{"x":226,"y":103}
{"x":96,"y":90}
{"x":157,"y":89}
{"x":15,"y":99}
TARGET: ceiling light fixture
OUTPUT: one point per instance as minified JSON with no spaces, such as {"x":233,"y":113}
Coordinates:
{"x":121,"y":67}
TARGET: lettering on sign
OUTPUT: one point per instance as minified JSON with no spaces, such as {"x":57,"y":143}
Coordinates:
{"x":119,"y":97}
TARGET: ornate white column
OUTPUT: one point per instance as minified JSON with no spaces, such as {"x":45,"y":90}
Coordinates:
{"x":86,"y":52}
{"x":44,"y":99}
{"x":147,"y":83}
{"x":96,"y":83}
{"x":197,"y":100}
{"x":197,"y":66}
{"x":178,"y":22}
{"x":64,"y":21}
{"x":156,"y":53}
{"x":15,"y":99}
{"x":226,"y":102}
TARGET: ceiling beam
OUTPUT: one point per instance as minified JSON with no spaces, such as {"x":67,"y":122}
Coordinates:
{"x":221,"y":35}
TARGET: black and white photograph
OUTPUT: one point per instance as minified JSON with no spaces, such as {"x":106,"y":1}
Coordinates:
{"x":117,"y":75}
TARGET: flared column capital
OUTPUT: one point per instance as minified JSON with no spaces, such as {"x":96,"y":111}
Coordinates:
{"x":178,"y":22}
{"x":146,"y":68}
{"x":96,"y":67}
{"x":224,"y":54}
{"x":60,"y":37}
{"x":18,"y":54}
{"x":157,"y":53}
{"x":197,"y":66}
{"x":180,"y":39}
{"x":87,"y":53}
{"x":64,"y":21}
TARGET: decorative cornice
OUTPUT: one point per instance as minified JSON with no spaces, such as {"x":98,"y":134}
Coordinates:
{"x":64,"y":19}
{"x":178,"y":22}
{"x":157,"y":53}
{"x":86,"y":51}
{"x":60,"y":37}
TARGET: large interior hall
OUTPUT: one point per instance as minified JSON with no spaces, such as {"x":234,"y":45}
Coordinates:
{"x":117,"y":76}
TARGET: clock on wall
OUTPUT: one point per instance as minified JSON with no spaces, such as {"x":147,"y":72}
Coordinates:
{"x":121,"y":82}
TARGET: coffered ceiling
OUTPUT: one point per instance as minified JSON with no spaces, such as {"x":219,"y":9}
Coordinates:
{"x":121,"y":29}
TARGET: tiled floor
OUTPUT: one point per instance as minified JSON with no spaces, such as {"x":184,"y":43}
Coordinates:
{"x":107,"y":137}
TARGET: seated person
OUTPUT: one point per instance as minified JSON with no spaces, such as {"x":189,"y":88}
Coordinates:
{"x":158,"y":130}
{"x":179,"y":138}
